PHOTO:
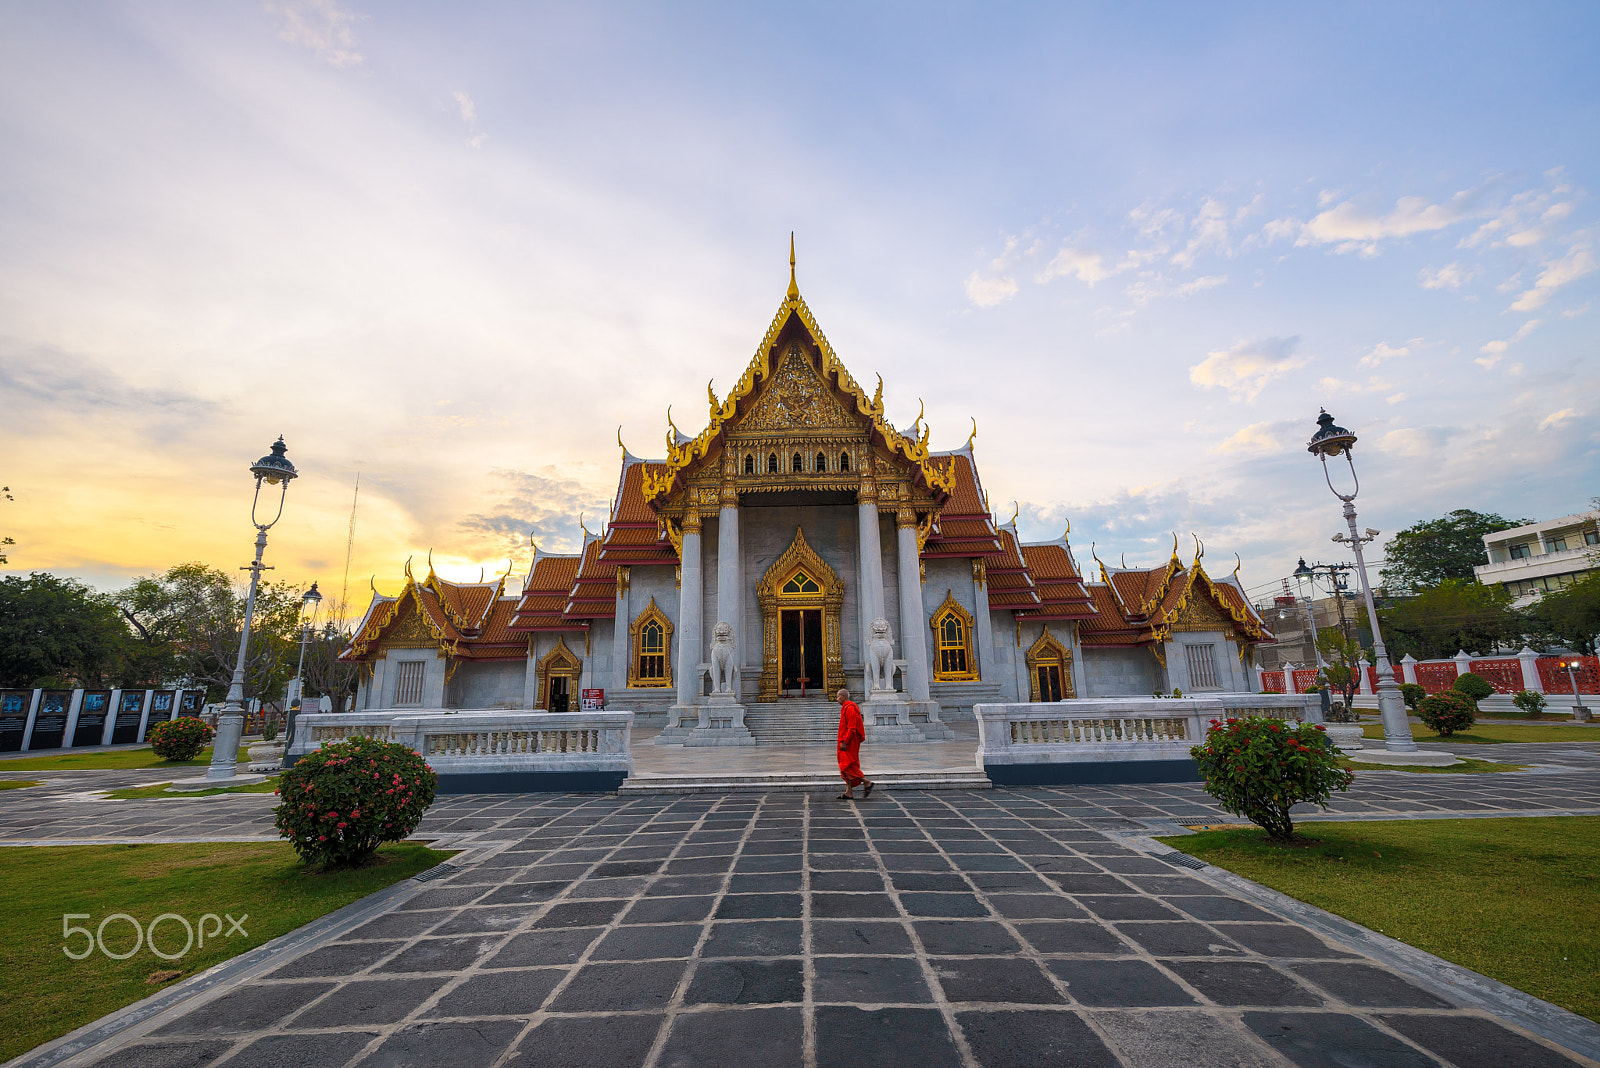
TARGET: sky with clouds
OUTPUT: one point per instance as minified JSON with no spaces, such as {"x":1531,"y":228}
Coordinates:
{"x":450,"y":249}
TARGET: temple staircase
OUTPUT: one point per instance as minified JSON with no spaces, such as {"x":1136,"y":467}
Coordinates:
{"x":793,"y":721}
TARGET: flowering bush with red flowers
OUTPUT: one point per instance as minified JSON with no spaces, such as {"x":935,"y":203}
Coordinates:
{"x":1447,"y":712}
{"x":1261,"y":767}
{"x":344,"y":800}
{"x":179,"y":739}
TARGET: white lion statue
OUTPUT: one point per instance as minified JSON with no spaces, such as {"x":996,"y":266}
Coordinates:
{"x":880,"y":651}
{"x":722,"y":667}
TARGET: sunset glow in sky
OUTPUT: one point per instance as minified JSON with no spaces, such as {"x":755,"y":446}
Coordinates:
{"x":450,"y":248}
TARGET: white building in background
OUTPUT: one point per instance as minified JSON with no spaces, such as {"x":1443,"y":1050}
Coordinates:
{"x":1534,"y":559}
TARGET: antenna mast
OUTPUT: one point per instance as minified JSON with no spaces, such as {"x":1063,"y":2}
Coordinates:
{"x":349,"y":548}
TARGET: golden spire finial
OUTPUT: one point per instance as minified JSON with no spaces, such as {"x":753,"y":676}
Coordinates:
{"x":408,"y":571}
{"x":974,"y":435}
{"x":671,"y":424}
{"x":619,"y":440}
{"x":1067,"y":531}
{"x":1175,"y":546}
{"x":794,"y":288}
{"x":1199,"y":547}
{"x":1237,"y":564}
{"x":1124,"y":560}
{"x":716,"y":405}
{"x":1016,"y":510}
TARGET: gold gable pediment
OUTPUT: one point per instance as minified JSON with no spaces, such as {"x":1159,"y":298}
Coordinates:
{"x":1199,"y":614}
{"x":796,"y":398}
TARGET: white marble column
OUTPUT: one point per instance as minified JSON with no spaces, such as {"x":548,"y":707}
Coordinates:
{"x":981,"y":620}
{"x":691,"y":602}
{"x":870,"y":561}
{"x":729,"y":585}
{"x":913,"y":624}
{"x":622,"y":624}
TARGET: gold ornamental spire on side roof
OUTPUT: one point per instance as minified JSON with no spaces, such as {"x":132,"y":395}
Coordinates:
{"x":794,"y":288}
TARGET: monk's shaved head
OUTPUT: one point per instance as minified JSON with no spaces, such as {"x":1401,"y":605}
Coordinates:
{"x":842,"y":695}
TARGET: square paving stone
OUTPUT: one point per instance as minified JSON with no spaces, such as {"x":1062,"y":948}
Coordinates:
{"x":1241,"y":982}
{"x":486,"y":920}
{"x":1118,"y":982}
{"x":943,"y":905}
{"x":341,"y":958}
{"x":668,"y":910}
{"x":534,"y":948}
{"x":589,"y":1042}
{"x":645,"y":943}
{"x":620,"y":987}
{"x":1091,"y":884}
{"x":846,"y":880}
{"x":440,"y":897}
{"x":1280,"y":940}
{"x":1003,"y":979}
{"x":759,"y":938}
{"x":1169,"y":885}
{"x":1191,"y":1039}
{"x":699,"y":865}
{"x":912,"y":862}
{"x":370,"y":1001}
{"x":1135,"y":866}
{"x":251,"y":1008}
{"x":1011,"y":882}
{"x":598,"y":888}
{"x":691,"y":885}
{"x":771,"y":1038}
{"x":397,"y":925}
{"x":1054,"y":866}
{"x":1124,"y":907}
{"x":165,"y":1055}
{"x":870,"y":981}
{"x":709,"y":849}
{"x":1221,"y":908}
{"x":765,"y":862}
{"x":275,"y":1051}
{"x":466,"y":1045}
{"x":1332,"y":1040}
{"x":852,"y":906}
{"x":1036,"y":906}
{"x":1034,"y":1039}
{"x":520,"y":893}
{"x":765,"y":882}
{"x":440,"y":954}
{"x":850,"y":1038}
{"x":759,"y":907}
{"x":506,"y":993}
{"x":580,"y":914}
{"x":1179,"y":939}
{"x":981,"y":862}
{"x":944,"y":881}
{"x":1473,"y":1042}
{"x":859,"y":937}
{"x":944,"y":938}
{"x":746,"y":982}
{"x":1362,"y":984}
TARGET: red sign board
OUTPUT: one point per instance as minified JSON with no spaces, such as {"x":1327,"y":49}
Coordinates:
{"x":593,"y":701}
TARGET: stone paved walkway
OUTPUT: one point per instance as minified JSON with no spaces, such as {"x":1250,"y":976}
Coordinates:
{"x":991,"y":928}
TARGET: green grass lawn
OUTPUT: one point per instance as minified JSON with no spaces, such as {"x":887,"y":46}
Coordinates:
{"x":1513,"y":899}
{"x":139,"y":793}
{"x":1467,"y":766}
{"x":49,"y":994}
{"x":1491,"y":733}
{"x":110,"y":760}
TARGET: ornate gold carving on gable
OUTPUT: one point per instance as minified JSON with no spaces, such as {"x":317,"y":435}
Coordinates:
{"x":797,"y":399}
{"x":1198,"y":613}
{"x":410,"y":631}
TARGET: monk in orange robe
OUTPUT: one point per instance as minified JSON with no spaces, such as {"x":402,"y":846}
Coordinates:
{"x":852,"y":732}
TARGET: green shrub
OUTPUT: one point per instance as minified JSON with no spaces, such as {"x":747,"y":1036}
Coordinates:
{"x":1448,"y":712}
{"x":1473,"y":687}
{"x":1530,"y":701}
{"x":269,"y":729}
{"x":1412,"y":694}
{"x":179,"y":739}
{"x":1261,"y":767}
{"x":344,"y":800}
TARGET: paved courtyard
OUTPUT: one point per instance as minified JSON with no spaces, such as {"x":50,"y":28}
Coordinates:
{"x":999,"y":927}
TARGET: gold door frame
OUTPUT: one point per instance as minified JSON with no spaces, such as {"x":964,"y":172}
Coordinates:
{"x":1046,"y":650}
{"x":559,"y":661}
{"x":799,"y":557}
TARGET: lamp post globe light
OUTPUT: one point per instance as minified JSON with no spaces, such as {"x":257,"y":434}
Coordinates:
{"x":1304,"y":574}
{"x":1580,"y":714}
{"x":273,"y":469}
{"x":1329,"y":443}
{"x":312,"y":600}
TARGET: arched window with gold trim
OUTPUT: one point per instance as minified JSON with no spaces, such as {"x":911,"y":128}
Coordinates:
{"x":799,"y":464}
{"x":844,"y":461}
{"x":952,"y":641}
{"x":822,"y":461}
{"x":1049,"y":670}
{"x":651,"y":663}
{"x":772,"y":463}
{"x":749,"y":463}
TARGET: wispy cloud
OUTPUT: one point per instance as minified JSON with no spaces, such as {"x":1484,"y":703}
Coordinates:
{"x":323,"y":26}
{"x":1494,"y":351}
{"x":544,"y":504}
{"x":988,"y":291}
{"x":1578,"y":262}
{"x":1450,"y":276}
{"x":1255,"y":439}
{"x":1383,"y":351}
{"x":1555,"y":419}
{"x":1245,"y":369}
{"x":1352,"y":227}
{"x":469,"y":115}
{"x":1076,"y":263}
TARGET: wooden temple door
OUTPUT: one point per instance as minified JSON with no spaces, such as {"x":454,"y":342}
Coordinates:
{"x":1049,"y":682}
{"x":801,"y":636}
{"x":560,"y":694}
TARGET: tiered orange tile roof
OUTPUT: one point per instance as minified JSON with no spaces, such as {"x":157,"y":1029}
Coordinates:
{"x":1011,"y":587}
{"x":965,"y":527}
{"x":634,"y":536}
{"x":1061,"y":590}
{"x":545,"y":594}
{"x":594,"y":588}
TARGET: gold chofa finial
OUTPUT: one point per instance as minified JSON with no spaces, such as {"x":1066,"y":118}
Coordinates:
{"x":794,"y":287}
{"x":619,"y":440}
{"x":974,"y":435}
{"x":1067,"y":531}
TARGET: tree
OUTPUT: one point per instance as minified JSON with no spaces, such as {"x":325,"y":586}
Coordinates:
{"x":1571,"y":615}
{"x":188,"y":620}
{"x":325,"y":673}
{"x":55,"y":629}
{"x":1343,"y":663}
{"x":6,"y":492}
{"x":1433,"y":550}
{"x":1454,"y":615}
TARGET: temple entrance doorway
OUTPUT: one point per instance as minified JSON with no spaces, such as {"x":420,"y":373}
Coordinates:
{"x":559,"y":671}
{"x":802,"y":649}
{"x":560,"y":694}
